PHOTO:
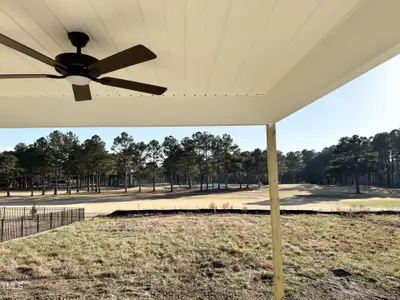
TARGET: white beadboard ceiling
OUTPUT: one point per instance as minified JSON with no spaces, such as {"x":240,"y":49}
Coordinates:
{"x":225,"y":62}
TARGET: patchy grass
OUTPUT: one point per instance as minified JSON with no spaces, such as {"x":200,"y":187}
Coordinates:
{"x":207,"y":257}
{"x":381,"y":203}
{"x":293,"y":196}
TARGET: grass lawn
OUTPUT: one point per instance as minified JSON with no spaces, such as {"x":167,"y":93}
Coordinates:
{"x":293,"y":196}
{"x":381,"y":203}
{"x":206,"y":257}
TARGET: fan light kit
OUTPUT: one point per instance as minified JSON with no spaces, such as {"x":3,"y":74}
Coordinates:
{"x":80,"y":69}
{"x":78,"y":80}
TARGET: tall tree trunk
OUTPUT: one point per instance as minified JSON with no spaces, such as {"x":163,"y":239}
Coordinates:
{"x":31,"y":186}
{"x":218,"y":175}
{"x":56,"y":183}
{"x":211,"y":176}
{"x":43,"y":185}
{"x":130,"y":180}
{"x":207,"y":178}
{"x":240,"y":180}
{"x":99,"y":183}
{"x":226,"y":181}
{"x":392,"y":171}
{"x":88,"y":183}
{"x":248,"y":181}
{"x":8,"y":187}
{"x":201,"y":176}
{"x":96,"y":182}
{"x":171,"y":181}
{"x":69,"y":187}
{"x":154,"y":179}
{"x":357,"y":181}
{"x":140,"y":181}
{"x":189,"y":178}
{"x":387,"y":174}
{"x":77,"y":184}
{"x":126,"y":179}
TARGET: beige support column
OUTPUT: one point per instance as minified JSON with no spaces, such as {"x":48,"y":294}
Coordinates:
{"x":275,"y":213}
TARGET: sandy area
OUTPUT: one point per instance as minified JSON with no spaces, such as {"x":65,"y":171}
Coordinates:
{"x":293,"y":196}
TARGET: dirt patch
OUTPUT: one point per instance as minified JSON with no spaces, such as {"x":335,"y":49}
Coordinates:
{"x":327,"y":288}
{"x":391,"y":221}
{"x":387,"y":223}
{"x":342,"y":288}
{"x":71,"y":289}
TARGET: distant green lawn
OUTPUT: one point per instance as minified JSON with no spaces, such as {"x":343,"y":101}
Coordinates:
{"x":373,"y":203}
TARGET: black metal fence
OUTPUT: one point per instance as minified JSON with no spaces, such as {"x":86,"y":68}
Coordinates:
{"x":18,"y":222}
{"x":15,"y":212}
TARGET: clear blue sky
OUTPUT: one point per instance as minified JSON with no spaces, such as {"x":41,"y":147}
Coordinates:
{"x":365,"y":106}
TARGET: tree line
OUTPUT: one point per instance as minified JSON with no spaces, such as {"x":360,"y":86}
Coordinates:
{"x":204,"y":159}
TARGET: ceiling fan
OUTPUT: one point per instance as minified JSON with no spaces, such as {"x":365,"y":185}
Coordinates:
{"x":80,"y":69}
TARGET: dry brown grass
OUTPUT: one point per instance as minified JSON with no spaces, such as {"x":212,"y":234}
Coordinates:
{"x":226,"y":205}
{"x":206,"y":257}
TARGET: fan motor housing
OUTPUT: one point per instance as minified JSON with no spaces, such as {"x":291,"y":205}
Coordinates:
{"x":78,"y":39}
{"x":76,"y":63}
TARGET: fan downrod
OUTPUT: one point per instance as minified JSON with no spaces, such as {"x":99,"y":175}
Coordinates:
{"x":78,"y":39}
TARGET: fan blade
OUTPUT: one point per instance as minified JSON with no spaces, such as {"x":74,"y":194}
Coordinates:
{"x":6,"y":41}
{"x":123,"y":59}
{"x":81,"y":92}
{"x":22,"y":76}
{"x":132,"y":85}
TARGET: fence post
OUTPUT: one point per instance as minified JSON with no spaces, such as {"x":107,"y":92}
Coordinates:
{"x":72,"y":215}
{"x":2,"y":230}
{"x":83,"y":213}
{"x":22,"y":226}
{"x":37,"y":223}
{"x":4,"y":212}
{"x":62,"y":217}
{"x":24,"y":211}
{"x":51,"y":220}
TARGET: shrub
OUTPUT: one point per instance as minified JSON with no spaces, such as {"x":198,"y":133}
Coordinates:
{"x":213,"y":206}
{"x":226,"y":205}
{"x":34,"y":210}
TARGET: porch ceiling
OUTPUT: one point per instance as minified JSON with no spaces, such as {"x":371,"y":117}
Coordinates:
{"x":225,"y":62}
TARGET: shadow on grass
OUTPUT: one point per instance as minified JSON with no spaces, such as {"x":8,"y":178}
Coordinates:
{"x":116,"y":197}
{"x":316,"y":194}
{"x":341,"y":189}
{"x":153,"y":212}
{"x":328,"y":193}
